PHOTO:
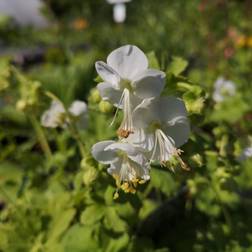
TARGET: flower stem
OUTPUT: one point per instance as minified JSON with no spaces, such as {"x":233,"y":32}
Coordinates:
{"x":75,"y":133}
{"x":41,"y":136}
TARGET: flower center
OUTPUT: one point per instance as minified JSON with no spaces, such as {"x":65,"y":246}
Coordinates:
{"x":126,"y":126}
{"x":129,"y":175}
{"x":154,"y":126}
{"x":124,"y":83}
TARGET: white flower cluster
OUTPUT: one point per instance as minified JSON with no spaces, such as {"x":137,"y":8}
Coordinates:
{"x":222,"y":89}
{"x":56,"y":115}
{"x":152,"y":127}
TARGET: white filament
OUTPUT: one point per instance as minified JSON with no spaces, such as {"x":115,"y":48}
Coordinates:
{"x":165,"y":145}
{"x":127,"y":122}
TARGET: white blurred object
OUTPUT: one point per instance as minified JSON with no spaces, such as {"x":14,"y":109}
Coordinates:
{"x":117,"y":1}
{"x":119,"y":10}
{"x":24,"y":12}
{"x":119,"y":13}
{"x":247,"y":153}
{"x":223,"y":88}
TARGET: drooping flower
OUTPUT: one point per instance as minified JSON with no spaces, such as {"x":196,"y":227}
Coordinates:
{"x":56,"y":115}
{"x":119,"y":10}
{"x":128,"y":81}
{"x":162,"y":127}
{"x":79,"y":111}
{"x":128,"y":163}
{"x":223,"y":88}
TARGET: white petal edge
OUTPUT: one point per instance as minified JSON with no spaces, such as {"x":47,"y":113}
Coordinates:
{"x":109,"y":93}
{"x":149,"y":83}
{"x":127,"y":61}
{"x":104,"y":156}
{"x":77,"y":108}
{"x":107,"y":73}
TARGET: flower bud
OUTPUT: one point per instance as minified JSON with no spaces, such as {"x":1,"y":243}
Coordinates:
{"x":89,"y":175}
{"x":21,"y":105}
{"x":94,"y":96}
{"x":105,"y":107}
{"x":196,"y":159}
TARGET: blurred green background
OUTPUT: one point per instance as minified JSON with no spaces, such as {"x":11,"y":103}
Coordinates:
{"x":63,"y":201}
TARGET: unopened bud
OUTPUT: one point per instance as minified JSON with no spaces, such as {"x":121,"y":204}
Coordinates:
{"x":94,"y":96}
{"x":21,"y":105}
{"x":105,"y":107}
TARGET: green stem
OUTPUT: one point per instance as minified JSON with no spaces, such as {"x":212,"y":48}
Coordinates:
{"x":6,"y":195}
{"x":41,"y":136}
{"x":77,"y":137}
{"x":223,"y":208}
{"x":75,"y":133}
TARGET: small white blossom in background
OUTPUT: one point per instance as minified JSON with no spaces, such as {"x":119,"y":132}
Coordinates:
{"x":246,"y":153}
{"x":222,"y":89}
{"x":79,"y":110}
{"x":56,"y":115}
{"x":152,"y":127}
{"x":119,"y":10}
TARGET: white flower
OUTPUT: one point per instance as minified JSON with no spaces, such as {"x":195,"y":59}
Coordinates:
{"x":223,"y":88}
{"x":119,"y":10}
{"x":162,"y":127}
{"x":119,"y":13}
{"x":128,"y":164}
{"x":247,"y":153}
{"x":79,"y":111}
{"x":128,"y":81}
{"x":117,"y":1}
{"x":56,"y":115}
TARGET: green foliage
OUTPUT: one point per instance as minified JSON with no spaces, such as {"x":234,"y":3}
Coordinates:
{"x":54,"y":198}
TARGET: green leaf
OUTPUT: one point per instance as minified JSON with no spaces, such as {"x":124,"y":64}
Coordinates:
{"x":79,"y":239}
{"x":118,"y":245}
{"x":92,"y":214}
{"x":163,"y":181}
{"x":153,"y":62}
{"x":147,"y":208}
{"x":113,"y":222}
{"x":177,"y":66}
{"x":60,"y":224}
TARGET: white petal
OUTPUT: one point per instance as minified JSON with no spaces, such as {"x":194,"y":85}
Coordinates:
{"x":179,"y":132}
{"x":142,"y":139}
{"x":77,"y":108}
{"x":128,"y":170}
{"x":145,"y":113}
{"x":125,"y":147}
{"x":115,"y":167}
{"x":170,"y":108}
{"x":107,"y":73}
{"x":50,"y":117}
{"x":109,"y":93}
{"x":128,"y":61}
{"x":219,"y":82}
{"x":164,"y":110}
{"x":104,"y":156}
{"x":149,"y":83}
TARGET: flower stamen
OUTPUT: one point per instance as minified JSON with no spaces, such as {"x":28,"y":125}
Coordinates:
{"x":167,"y":151}
{"x":126,"y":127}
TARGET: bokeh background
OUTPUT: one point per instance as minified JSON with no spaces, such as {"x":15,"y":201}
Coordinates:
{"x":65,"y":202}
